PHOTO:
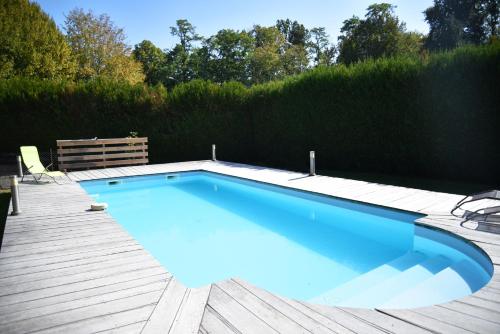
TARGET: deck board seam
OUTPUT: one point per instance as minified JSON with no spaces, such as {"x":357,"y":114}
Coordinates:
{"x":81,"y":281}
{"x":249,"y":311}
{"x":408,"y":321}
{"x":68,"y":254}
{"x":427,"y":315}
{"x":225,"y":321}
{"x":84,"y":271}
{"x":80,"y":307}
{"x":152,"y":311}
{"x":320,"y":314}
{"x":489,"y":310}
{"x":365,"y":321}
{"x":77,"y":291}
{"x":66,"y":267}
{"x":94,"y":317}
{"x":179,"y":309}
{"x":286,"y":316}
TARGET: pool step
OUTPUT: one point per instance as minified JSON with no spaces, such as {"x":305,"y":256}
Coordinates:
{"x":368,"y":279}
{"x":396,"y":284}
{"x":445,"y":285}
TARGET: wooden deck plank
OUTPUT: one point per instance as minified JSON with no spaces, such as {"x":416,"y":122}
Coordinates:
{"x":429,"y":323}
{"x":212,"y":322}
{"x":66,"y":265}
{"x":49,"y":276}
{"x":134,"y":328}
{"x":106,"y":322}
{"x":77,"y":277}
{"x":275,"y":319}
{"x":167,"y":308}
{"x":463,"y":320}
{"x":344,"y":319}
{"x":472,"y":310}
{"x":116,"y":261}
{"x":385,"y":322}
{"x":83,"y":313}
{"x":189,"y":317}
{"x":51,"y":291}
{"x":6,"y":268}
{"x":311,"y":324}
{"x":75,"y":252}
{"x":73,"y":304}
{"x":83,"y":293}
{"x":237,"y":316}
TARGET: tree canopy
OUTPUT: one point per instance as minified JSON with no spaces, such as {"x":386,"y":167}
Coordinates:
{"x":93,"y":46}
{"x":453,"y":23}
{"x":30,"y":43}
{"x":152,"y":59}
{"x":99,"y":47}
{"x":379,"y":34}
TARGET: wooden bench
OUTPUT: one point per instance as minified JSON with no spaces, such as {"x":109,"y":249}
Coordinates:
{"x":101,"y":153}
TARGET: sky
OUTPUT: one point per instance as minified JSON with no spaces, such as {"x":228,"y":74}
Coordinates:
{"x":151,"y":19}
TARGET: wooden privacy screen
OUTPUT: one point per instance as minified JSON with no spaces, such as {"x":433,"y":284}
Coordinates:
{"x":95,"y":153}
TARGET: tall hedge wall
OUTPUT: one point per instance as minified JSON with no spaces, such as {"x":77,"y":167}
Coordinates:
{"x":437,"y":117}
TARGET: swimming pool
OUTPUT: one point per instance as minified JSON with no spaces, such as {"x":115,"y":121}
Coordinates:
{"x":206,"y":227}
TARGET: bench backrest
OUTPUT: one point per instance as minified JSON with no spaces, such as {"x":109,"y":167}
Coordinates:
{"x":97,"y":153}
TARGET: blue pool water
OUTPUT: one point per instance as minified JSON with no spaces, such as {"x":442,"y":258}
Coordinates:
{"x":205,"y":227}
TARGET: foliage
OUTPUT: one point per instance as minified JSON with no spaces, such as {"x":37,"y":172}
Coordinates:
{"x":30,"y":43}
{"x":266,"y":61}
{"x":152,"y":59}
{"x":380,"y":34}
{"x":293,"y":32}
{"x":320,"y":48}
{"x":186,"y":33}
{"x":425,"y":117}
{"x":99,"y":47}
{"x":453,"y":23}
{"x":229,"y":55}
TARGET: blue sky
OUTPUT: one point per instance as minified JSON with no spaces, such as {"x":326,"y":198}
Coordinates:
{"x":151,"y":19}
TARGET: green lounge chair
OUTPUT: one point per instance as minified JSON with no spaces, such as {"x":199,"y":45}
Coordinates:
{"x":32,"y":162}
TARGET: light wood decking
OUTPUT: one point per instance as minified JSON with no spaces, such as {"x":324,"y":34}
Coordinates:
{"x":64,"y":269}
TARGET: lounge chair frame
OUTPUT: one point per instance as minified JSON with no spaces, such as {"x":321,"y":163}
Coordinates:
{"x":483,"y":213}
{"x":45,"y":171}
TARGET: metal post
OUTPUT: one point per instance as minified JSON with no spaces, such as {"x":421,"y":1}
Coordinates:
{"x":14,"y":191}
{"x":213,"y":153}
{"x":51,"y":161}
{"x":19,"y":167}
{"x":312,"y":163}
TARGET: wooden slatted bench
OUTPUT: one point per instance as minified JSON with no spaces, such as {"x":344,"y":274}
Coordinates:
{"x":101,"y":153}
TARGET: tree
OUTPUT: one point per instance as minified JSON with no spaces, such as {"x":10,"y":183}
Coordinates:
{"x":452,"y":22}
{"x":229,"y":55}
{"x":266,"y":60}
{"x":379,"y":35}
{"x":294,"y":60}
{"x":186,"y":33}
{"x":30,"y":43}
{"x":319,"y":46}
{"x":274,"y":57}
{"x":178,"y":60}
{"x":294,"y":32}
{"x":99,"y":47}
{"x":294,"y":57}
{"x":153,"y":61}
{"x":123,"y":67}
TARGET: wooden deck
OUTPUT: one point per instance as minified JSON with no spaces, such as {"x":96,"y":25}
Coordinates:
{"x":64,"y":269}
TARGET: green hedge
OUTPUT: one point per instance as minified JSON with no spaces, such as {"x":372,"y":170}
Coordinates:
{"x":437,"y":117}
